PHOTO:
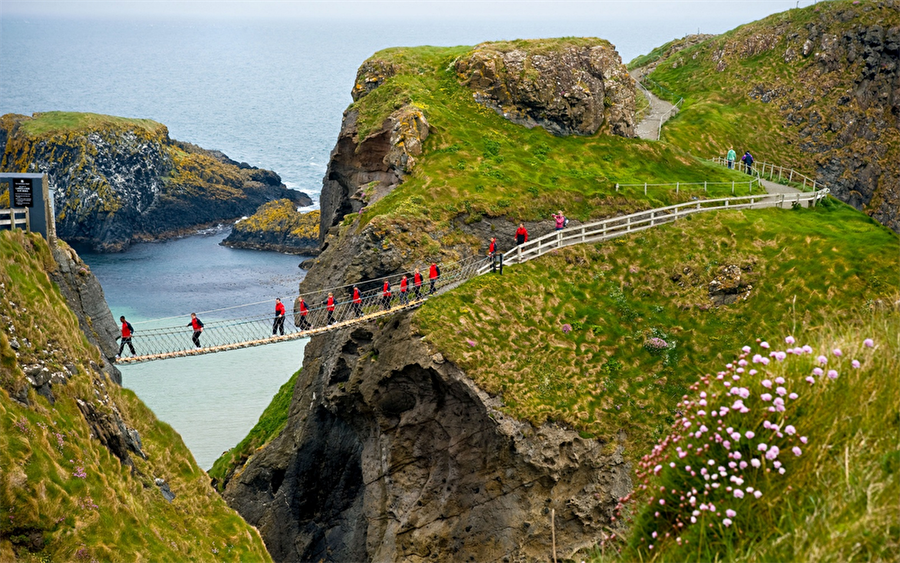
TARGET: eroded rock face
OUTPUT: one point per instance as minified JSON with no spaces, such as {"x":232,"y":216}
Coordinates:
{"x":362,"y":171}
{"x":405,"y":459}
{"x":567,"y":91}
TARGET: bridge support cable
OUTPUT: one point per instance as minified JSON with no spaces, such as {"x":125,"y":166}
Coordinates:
{"x":221,"y":334}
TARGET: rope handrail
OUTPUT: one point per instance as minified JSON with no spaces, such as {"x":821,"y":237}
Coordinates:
{"x":319,"y":317}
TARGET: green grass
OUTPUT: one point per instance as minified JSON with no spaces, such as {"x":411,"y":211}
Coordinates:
{"x":475,"y":162}
{"x":63,"y":495}
{"x":805,"y":267}
{"x":836,"y":502}
{"x":61,"y":122}
{"x":270,"y":424}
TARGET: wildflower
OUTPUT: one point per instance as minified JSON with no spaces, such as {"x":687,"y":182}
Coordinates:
{"x":832,"y":374}
{"x":762,"y":447}
{"x":757,"y":494}
{"x":810,"y":380}
{"x":662,"y":501}
{"x":781,"y":391}
{"x":766,"y":383}
{"x":764,"y":345}
{"x":837,"y":352}
{"x":746,"y":349}
{"x":789,"y":340}
{"x":567,"y":328}
{"x":730,"y":513}
{"x":868,"y":343}
{"x":818,"y":371}
{"x":765,"y":397}
{"x":797,"y":451}
{"x":807,"y":349}
{"x":755,"y":462}
{"x":793,"y":396}
{"x":727,"y":522}
{"x":822,"y":360}
{"x":737,"y":455}
{"x":470,"y":342}
{"x":855,"y":364}
{"x":779,"y":380}
{"x":781,"y":471}
{"x":803,"y":439}
{"x":772,"y":453}
{"x":738,"y":493}
{"x":749,"y":434}
{"x":790,"y":430}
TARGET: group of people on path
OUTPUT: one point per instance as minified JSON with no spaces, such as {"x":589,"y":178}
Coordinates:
{"x":747,"y":159}
{"x":302,"y":312}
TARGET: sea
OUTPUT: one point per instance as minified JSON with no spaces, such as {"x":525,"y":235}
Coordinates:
{"x":269,"y":92}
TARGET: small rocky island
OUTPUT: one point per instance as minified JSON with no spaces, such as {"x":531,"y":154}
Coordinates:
{"x":280,"y":227}
{"x":119,"y":180}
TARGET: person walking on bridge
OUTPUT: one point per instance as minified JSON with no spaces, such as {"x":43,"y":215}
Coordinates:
{"x":278,"y":323}
{"x":730,"y":158}
{"x":197,"y":325}
{"x":329,"y":306}
{"x":521,"y":234}
{"x":386,"y":295}
{"x":357,"y":302}
{"x":417,"y":283}
{"x":127,"y":331}
{"x":433,"y":274}
{"x":301,"y":307}
{"x":404,"y":288}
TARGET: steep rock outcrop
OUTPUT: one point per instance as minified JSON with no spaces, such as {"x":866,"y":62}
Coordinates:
{"x":391,"y":453}
{"x":574,"y":90}
{"x":279,"y":227}
{"x":119,"y":180}
{"x":363,"y":170}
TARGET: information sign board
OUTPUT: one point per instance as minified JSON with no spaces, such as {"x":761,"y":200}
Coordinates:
{"x":23,"y":192}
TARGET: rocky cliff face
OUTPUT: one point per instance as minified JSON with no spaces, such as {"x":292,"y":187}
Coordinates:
{"x":838,"y":91}
{"x":391,"y":453}
{"x":118,"y":181}
{"x":576,"y":90}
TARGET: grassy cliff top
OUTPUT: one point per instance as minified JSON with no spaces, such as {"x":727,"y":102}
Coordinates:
{"x":57,"y":122}
{"x":64,"y":496}
{"x":476,"y":162}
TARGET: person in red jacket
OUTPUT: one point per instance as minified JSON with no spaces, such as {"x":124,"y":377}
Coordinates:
{"x":433,"y":274}
{"x":521,"y":234}
{"x":404,"y":296}
{"x":127,"y":331}
{"x":386,"y":295}
{"x":300,"y":306}
{"x":417,"y":283}
{"x":329,"y":306}
{"x":357,"y":302}
{"x":278,"y":323}
{"x":492,"y":248}
{"x":197,"y":325}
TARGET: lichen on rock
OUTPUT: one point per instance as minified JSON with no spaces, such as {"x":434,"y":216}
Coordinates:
{"x":277,"y":226}
{"x":576,"y":89}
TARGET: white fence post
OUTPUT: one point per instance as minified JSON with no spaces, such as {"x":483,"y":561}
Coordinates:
{"x":645,"y":188}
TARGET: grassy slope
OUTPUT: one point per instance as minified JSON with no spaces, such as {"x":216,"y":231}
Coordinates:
{"x":718,"y":112}
{"x":508,"y":333}
{"x":51,"y":512}
{"x":477,"y":162}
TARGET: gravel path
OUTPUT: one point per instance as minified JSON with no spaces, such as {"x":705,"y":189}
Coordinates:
{"x":648,"y":128}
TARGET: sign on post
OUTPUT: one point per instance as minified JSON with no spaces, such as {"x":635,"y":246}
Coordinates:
{"x":23,"y":192}
{"x":31,"y":191}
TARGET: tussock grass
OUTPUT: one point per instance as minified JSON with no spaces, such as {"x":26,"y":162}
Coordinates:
{"x":61,"y":122}
{"x":64,"y":496}
{"x":806,"y":268}
{"x":838,"y":500}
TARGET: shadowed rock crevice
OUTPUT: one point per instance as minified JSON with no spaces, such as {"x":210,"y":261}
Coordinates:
{"x":407,"y":460}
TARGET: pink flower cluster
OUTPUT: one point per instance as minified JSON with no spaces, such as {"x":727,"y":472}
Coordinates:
{"x":732,"y":436}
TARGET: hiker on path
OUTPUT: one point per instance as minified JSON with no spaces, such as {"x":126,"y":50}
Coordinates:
{"x":127,"y":331}
{"x":730,"y":158}
{"x":278,"y":323}
{"x":404,"y":289}
{"x":304,"y":312}
{"x":492,"y":248}
{"x":521,"y":234}
{"x":357,"y":302}
{"x":433,"y":274}
{"x":417,"y":283}
{"x":747,"y":159}
{"x":197,"y":325}
{"x":560,"y":220}
{"x":386,"y":295}
{"x":329,"y":306}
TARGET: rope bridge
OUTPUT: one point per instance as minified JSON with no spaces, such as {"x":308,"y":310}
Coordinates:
{"x":220,"y":335}
{"x":234,"y":333}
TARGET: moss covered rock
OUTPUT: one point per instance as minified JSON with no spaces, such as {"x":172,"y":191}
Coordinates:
{"x":278,"y":226}
{"x":120,"y":180}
